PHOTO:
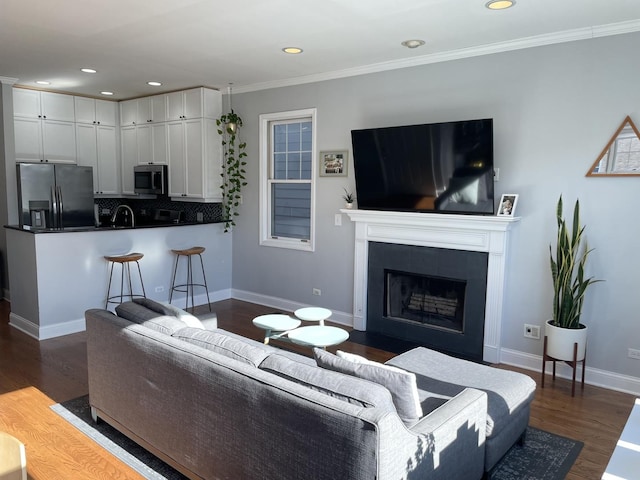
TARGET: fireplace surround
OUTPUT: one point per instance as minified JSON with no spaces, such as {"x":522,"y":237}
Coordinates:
{"x":472,"y":233}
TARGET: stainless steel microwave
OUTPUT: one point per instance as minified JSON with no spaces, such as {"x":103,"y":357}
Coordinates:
{"x":150,"y":179}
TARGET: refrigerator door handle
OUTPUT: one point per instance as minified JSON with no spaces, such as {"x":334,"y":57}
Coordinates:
{"x":60,"y":207}
{"x":54,"y":204}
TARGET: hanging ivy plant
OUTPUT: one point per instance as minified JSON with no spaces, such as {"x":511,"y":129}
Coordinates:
{"x":233,"y":163}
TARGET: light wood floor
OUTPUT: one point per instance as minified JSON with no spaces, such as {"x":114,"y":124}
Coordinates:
{"x":34,"y":375}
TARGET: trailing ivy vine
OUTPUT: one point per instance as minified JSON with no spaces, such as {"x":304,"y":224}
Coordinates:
{"x":233,"y":173}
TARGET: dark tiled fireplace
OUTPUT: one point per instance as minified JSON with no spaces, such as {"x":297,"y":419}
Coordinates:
{"x":481,"y":239}
{"x":433,"y":297}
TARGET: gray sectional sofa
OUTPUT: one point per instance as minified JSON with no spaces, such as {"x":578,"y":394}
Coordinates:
{"x":218,"y":406}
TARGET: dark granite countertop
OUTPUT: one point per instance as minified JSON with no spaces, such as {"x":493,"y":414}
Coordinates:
{"x":105,"y":228}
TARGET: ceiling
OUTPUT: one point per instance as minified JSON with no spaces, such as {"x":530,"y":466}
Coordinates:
{"x":186,"y":43}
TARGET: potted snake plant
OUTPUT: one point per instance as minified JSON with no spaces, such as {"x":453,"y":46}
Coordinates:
{"x":570,"y":284}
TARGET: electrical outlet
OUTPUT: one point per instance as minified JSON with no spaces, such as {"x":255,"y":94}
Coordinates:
{"x":338,"y":220}
{"x":532,"y":331}
{"x":317,"y":292}
{"x":159,"y":289}
{"x":496,"y":174}
{"x":634,"y":353}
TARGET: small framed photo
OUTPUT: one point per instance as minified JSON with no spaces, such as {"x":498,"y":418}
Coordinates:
{"x":334,"y":164}
{"x":507,"y":207}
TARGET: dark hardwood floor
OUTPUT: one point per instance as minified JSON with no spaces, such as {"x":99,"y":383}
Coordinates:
{"x":57,"y":368}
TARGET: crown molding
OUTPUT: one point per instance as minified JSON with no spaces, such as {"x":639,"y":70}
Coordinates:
{"x":8,"y":80}
{"x":489,"y":49}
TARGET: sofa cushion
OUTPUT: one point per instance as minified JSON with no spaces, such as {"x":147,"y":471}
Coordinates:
{"x":170,"y":310}
{"x":223,"y":344}
{"x":344,"y":387}
{"x":400,"y":383}
{"x":137,"y":313}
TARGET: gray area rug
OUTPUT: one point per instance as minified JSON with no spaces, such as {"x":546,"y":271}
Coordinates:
{"x":544,"y":456}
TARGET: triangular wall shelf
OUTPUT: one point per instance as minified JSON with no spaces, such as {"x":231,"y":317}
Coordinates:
{"x":621,"y":156}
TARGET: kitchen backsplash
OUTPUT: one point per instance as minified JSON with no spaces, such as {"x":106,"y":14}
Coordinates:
{"x":211,"y":212}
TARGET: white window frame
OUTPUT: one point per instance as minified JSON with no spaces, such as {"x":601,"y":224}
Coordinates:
{"x":265,"y":191}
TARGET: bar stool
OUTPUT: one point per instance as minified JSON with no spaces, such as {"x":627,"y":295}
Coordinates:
{"x":189,"y":285}
{"x":125,"y":265}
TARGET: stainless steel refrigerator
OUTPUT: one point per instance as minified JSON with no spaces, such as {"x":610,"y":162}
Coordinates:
{"x":55,"y":196}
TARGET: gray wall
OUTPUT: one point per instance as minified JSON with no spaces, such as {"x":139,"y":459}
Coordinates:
{"x":554,"y":109}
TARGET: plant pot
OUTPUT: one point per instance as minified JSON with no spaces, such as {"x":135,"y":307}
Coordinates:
{"x":560,"y":341}
{"x":348,"y":205}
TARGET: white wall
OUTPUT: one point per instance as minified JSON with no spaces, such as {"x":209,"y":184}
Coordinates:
{"x":554,"y":109}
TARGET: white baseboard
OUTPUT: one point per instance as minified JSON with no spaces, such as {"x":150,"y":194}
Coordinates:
{"x":44,"y":333}
{"x":593,"y":376}
{"x":341,"y":318}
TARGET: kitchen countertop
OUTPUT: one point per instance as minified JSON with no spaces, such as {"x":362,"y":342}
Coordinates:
{"x":106,"y":228}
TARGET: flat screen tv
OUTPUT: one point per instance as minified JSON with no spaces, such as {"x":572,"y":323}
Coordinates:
{"x":439,"y":167}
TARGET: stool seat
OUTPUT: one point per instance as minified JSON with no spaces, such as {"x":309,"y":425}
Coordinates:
{"x":124,"y":261}
{"x":189,"y":251}
{"x":188,"y":286}
{"x":130,"y":257}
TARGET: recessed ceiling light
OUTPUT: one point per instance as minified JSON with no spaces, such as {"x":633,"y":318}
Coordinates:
{"x":412,"y":43}
{"x":88,"y":70}
{"x":292,"y":50}
{"x":154,"y":84}
{"x":500,"y":4}
{"x":106,"y":93}
{"x":42,"y":82}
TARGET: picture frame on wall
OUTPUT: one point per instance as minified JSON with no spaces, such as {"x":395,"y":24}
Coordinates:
{"x":507,"y":207}
{"x":334,"y":163}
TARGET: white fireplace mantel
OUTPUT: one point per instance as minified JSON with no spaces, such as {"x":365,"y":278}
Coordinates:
{"x":458,"y":232}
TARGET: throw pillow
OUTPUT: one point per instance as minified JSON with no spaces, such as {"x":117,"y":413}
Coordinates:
{"x":344,"y":387}
{"x":168,"y":309}
{"x":400,"y":383}
{"x":136,"y":313}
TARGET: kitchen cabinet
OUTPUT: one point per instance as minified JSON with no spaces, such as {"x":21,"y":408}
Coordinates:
{"x":195,"y":156}
{"x":141,"y":111}
{"x":128,"y":157}
{"x":44,"y":128}
{"x":194,"y":103}
{"x":44,"y":140}
{"x":152,"y":144}
{"x":97,"y":147}
{"x":43,"y":105}
{"x":95,"y":112}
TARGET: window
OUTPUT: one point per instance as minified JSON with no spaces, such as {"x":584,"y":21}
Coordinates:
{"x":287,"y":173}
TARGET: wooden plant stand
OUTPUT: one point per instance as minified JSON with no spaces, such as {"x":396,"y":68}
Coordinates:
{"x":572,"y":363}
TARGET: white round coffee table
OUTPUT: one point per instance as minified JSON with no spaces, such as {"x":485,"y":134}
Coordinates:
{"x":275,"y":325}
{"x":318,"y":336}
{"x":313,"y":314}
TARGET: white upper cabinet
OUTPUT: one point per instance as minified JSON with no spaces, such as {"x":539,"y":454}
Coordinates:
{"x":194,"y":103}
{"x":141,"y":111}
{"x":97,"y":148}
{"x":43,"y":105}
{"x":96,"y":112}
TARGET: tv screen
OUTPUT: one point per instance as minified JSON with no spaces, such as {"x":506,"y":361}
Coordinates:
{"x":439,"y":167}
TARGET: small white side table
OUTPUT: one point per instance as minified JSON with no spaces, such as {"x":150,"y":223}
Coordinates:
{"x":275,"y":325}
{"x":313,"y":314}
{"x":625,"y":461}
{"x":318,"y":336}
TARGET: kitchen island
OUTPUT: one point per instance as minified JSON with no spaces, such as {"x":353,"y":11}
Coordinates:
{"x":56,"y":275}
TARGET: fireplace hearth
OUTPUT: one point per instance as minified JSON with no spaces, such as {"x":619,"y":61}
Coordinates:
{"x":433,"y":297}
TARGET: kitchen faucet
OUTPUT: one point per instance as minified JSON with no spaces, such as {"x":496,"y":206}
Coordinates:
{"x":117,"y":210}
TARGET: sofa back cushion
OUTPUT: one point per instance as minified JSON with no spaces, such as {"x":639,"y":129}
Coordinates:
{"x":140,"y":314}
{"x":400,"y":383}
{"x":344,"y":387}
{"x":223,"y":344}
